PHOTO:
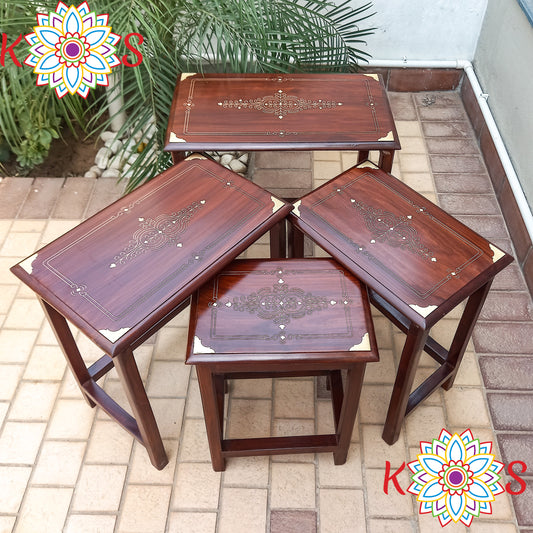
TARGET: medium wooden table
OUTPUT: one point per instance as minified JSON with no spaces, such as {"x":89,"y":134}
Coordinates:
{"x":252,"y":112}
{"x":419,"y":262}
{"x":281,"y":318}
{"x":122,"y":274}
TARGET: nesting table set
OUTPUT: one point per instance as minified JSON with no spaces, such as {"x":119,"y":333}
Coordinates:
{"x":125,"y":272}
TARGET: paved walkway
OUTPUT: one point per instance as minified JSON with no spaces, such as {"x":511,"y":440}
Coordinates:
{"x":65,"y":467}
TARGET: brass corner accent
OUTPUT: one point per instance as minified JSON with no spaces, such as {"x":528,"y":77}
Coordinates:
{"x":198,"y":346}
{"x":367,"y":164}
{"x":113,"y":336}
{"x":173,"y":138}
{"x":363,"y":346}
{"x":388,"y":137}
{"x":195,"y":156}
{"x":278,"y":204}
{"x":375,"y":76}
{"x":496,"y":253}
{"x":185,"y":75}
{"x":423,"y":311}
{"x":296,"y":208}
{"x":28,"y":262}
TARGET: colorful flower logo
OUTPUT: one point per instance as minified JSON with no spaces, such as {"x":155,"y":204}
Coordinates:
{"x":72,"y":49}
{"x":455,"y":477}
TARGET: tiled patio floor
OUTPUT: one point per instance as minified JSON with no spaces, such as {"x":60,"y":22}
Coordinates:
{"x":66,"y":467}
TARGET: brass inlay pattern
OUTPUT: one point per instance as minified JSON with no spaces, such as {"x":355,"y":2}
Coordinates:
{"x":363,"y":346}
{"x":173,"y":138}
{"x":198,"y":346}
{"x":296,"y":208}
{"x":388,"y":137}
{"x":278,"y":204}
{"x":279,"y":303}
{"x":392,"y":229}
{"x":280,"y":104}
{"x":27,"y":264}
{"x":113,"y":336}
{"x":423,"y":311}
{"x":496,"y":253}
{"x":155,"y":233}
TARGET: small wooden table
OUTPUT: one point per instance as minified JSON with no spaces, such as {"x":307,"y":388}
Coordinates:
{"x":122,"y":274}
{"x":281,"y":318}
{"x":252,"y":112}
{"x":419,"y":262}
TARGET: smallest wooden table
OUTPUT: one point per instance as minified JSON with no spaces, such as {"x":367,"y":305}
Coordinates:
{"x":281,"y":318}
{"x":122,"y":274}
{"x":419,"y":262}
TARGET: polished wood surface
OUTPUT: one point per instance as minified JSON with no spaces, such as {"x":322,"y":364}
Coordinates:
{"x":282,"y":308}
{"x":122,"y":274}
{"x":411,"y":252}
{"x":418,"y":261}
{"x":281,"y":112}
{"x":119,"y":273}
{"x":281,"y":318}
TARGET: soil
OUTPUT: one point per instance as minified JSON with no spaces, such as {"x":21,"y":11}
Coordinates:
{"x":69,"y":156}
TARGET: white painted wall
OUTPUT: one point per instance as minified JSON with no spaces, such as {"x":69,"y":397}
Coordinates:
{"x":504,"y":66}
{"x":424,"y":29}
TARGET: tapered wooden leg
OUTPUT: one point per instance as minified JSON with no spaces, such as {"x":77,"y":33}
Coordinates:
{"x":69,"y":347}
{"x":354,"y":384}
{"x":414,"y":344}
{"x":386,"y":158}
{"x":131,"y":381}
{"x":209,"y":391}
{"x":464,"y":332}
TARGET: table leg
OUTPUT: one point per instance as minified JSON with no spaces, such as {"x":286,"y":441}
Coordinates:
{"x":177,"y":157}
{"x":278,"y":240}
{"x":414,"y":345}
{"x":350,"y":405}
{"x":209,"y":391}
{"x":68,"y":345}
{"x":362,"y":156}
{"x":464,"y":332}
{"x":386,"y":158}
{"x":131,"y":380}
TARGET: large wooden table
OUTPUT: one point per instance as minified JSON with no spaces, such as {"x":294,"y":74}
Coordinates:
{"x":282,"y":112}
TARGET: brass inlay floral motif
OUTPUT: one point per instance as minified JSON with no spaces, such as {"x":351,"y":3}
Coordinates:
{"x":279,"y":303}
{"x":154,"y":233}
{"x":280,"y":104}
{"x":392,"y":229}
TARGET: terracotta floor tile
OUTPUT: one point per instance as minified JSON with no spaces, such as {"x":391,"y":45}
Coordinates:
{"x":507,"y":372}
{"x":507,"y":306}
{"x":459,"y":183}
{"x":498,"y":337}
{"x":293,"y":522}
{"x":511,"y":411}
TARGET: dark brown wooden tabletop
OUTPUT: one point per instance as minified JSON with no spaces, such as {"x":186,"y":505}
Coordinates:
{"x":123,"y":270}
{"x":282,"y":310}
{"x":280,"y":112}
{"x":411,"y":252}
